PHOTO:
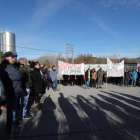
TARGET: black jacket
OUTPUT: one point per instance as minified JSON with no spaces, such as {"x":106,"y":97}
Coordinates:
{"x":66,"y":77}
{"x":86,"y":75}
{"x":27,"y":81}
{"x":37,"y":81}
{"x":44,"y":71}
{"x":11,"y":78}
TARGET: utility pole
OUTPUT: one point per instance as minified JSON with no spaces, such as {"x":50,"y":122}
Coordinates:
{"x":69,"y":49}
{"x":67,"y":53}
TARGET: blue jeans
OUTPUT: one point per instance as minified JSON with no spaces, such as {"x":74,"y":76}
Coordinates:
{"x":102,"y":82}
{"x":88,"y":82}
{"x":133,"y":82}
{"x":24,"y":101}
{"x":12,"y":104}
{"x":126,"y":82}
{"x":121,"y":80}
{"x":83,"y":81}
{"x":54,"y":84}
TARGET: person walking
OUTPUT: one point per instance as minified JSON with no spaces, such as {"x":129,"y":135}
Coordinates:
{"x":127,"y":78}
{"x":100,"y":77}
{"x":38,"y":85}
{"x":26,"y":85}
{"x":11,"y":78}
{"x":133,"y":76}
{"x":93,"y":78}
{"x":87,"y":76}
{"x":53,"y":75}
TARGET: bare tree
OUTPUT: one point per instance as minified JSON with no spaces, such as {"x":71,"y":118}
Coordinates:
{"x":50,"y":59}
{"x":114,"y":58}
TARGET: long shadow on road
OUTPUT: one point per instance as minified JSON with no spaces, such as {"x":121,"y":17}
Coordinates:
{"x":106,"y":116}
{"x":73,"y":120}
{"x":129,"y":109}
{"x":127,"y":95}
{"x":126,"y":115}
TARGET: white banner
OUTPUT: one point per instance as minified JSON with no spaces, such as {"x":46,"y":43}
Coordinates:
{"x":115,"y":69}
{"x":70,"y":69}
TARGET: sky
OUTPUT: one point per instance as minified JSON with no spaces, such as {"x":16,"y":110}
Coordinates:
{"x":97,"y":27}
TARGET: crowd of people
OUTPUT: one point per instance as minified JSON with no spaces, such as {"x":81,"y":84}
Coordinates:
{"x":94,"y":79}
{"x":19,"y":80}
{"x":91,"y":79}
{"x":131,"y":78}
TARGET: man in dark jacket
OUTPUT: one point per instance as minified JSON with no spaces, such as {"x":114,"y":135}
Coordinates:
{"x":127,"y":78}
{"x":100,"y":77}
{"x":11,"y":79}
{"x":26,"y":85}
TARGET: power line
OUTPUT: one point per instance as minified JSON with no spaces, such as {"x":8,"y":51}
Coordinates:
{"x":36,"y":49}
{"x":33,"y":48}
{"x":29,"y":53}
{"x":103,"y":18}
{"x":113,"y":18}
{"x":116,"y":16}
{"x":39,"y":49}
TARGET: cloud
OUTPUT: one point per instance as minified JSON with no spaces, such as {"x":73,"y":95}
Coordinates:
{"x":121,"y":50}
{"x":111,"y":3}
{"x":89,"y":12}
{"x":102,"y":25}
{"x":106,"y":3}
{"x":46,"y":9}
{"x":129,"y":55}
{"x":135,"y":49}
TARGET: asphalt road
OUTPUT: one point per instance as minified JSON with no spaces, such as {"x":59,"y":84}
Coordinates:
{"x":78,"y":114}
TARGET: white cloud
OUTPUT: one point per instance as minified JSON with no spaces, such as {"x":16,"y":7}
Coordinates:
{"x":91,"y":15}
{"x":110,"y":3}
{"x":121,"y":50}
{"x":46,"y":9}
{"x":135,"y":49}
{"x":129,"y":55}
{"x":102,"y":25}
